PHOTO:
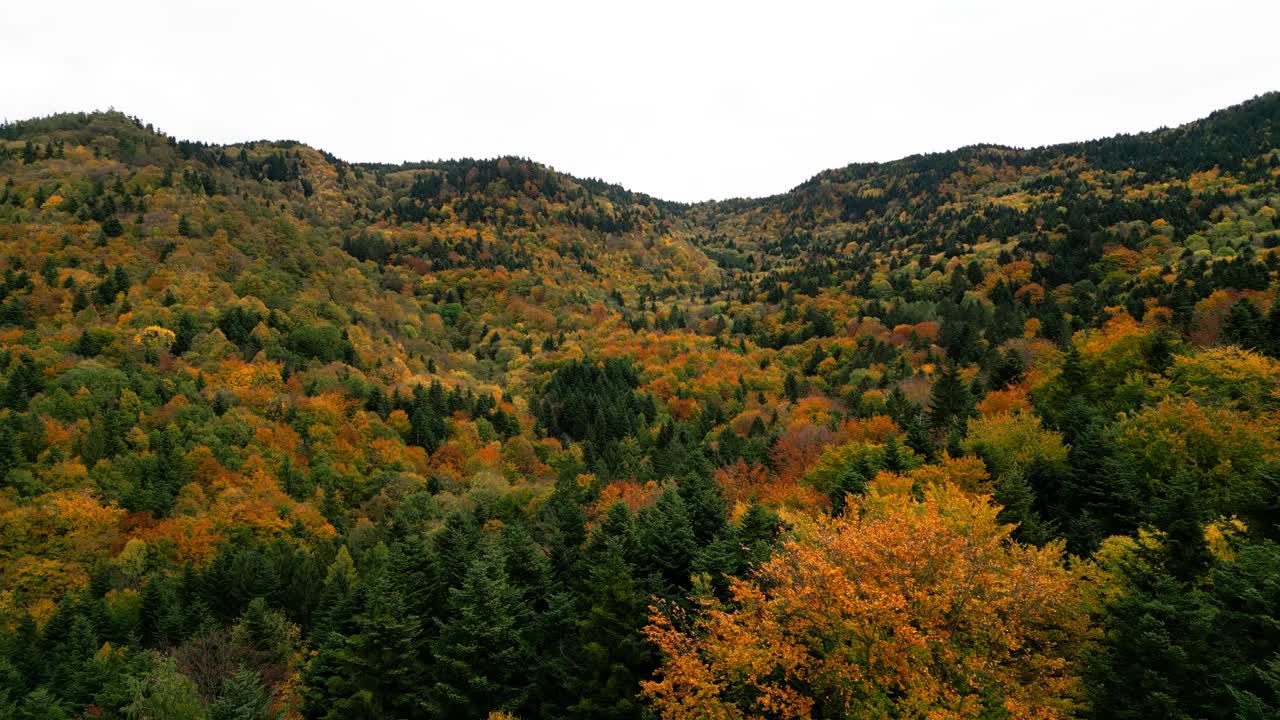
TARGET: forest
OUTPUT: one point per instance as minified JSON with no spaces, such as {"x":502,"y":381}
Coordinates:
{"x":986,"y":434}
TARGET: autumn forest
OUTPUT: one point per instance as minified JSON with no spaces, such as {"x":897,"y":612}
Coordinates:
{"x":985,"y":434}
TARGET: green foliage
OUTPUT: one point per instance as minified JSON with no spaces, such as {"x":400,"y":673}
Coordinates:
{"x":1199,"y":650}
{"x":597,"y":405}
{"x":242,"y":697}
{"x":164,"y":693}
{"x":481,"y":653}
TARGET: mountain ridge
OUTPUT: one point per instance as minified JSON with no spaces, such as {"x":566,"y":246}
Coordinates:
{"x":1259,"y":104}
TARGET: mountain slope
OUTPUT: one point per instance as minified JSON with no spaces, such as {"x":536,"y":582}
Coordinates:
{"x":349,"y":426}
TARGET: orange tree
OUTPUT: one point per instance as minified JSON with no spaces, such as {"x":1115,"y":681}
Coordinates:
{"x":897,"y":608}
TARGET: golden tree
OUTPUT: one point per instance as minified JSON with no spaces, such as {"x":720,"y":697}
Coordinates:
{"x":155,"y":338}
{"x":897,"y":608}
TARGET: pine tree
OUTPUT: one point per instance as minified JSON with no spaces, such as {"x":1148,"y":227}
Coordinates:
{"x":950,"y":403}
{"x":1008,"y":370}
{"x":1017,"y":500}
{"x":79,"y":301}
{"x":111,"y":227}
{"x":1074,"y":376}
{"x":565,"y":523}
{"x":893,"y":461}
{"x":339,"y":597}
{"x":1181,"y":514}
{"x":706,"y":508}
{"x":1245,"y":326}
{"x":1273,"y":330}
{"x":377,"y":670}
{"x":901,"y":409}
{"x":667,"y":544}
{"x":852,"y":482}
{"x":242,"y":697}
{"x":482,"y":658}
{"x":791,"y":387}
{"x":613,"y":656}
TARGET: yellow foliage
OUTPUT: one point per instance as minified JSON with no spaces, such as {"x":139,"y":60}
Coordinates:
{"x":154,"y":337}
{"x":1013,"y":440}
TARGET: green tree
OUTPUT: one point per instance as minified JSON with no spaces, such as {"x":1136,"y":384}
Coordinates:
{"x":1245,"y":326}
{"x":613,"y":656}
{"x":374,"y":672}
{"x":482,"y":658}
{"x":667,"y":544}
{"x":242,"y":697}
{"x":950,"y":402}
{"x":164,"y":693}
{"x":111,"y":227}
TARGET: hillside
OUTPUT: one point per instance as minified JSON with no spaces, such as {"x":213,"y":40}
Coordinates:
{"x":285,"y":433}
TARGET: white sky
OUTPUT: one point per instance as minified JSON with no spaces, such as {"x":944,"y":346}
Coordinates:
{"x":683,"y":100}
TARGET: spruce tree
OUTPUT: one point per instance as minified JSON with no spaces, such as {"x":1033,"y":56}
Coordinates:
{"x":613,"y":655}
{"x":242,"y":697}
{"x":1245,"y":326}
{"x":1017,"y":500}
{"x":482,"y":658}
{"x":377,"y":670}
{"x":1273,"y":330}
{"x":706,"y":508}
{"x":950,"y":402}
{"x":667,"y":544}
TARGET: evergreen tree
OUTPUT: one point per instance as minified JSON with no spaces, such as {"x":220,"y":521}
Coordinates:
{"x":111,"y":227}
{"x":1009,"y":369}
{"x":1273,"y":330}
{"x":853,"y":482}
{"x":338,"y":599}
{"x":375,"y":672}
{"x":1245,"y":326}
{"x":242,"y":697}
{"x":704,"y":505}
{"x":1074,"y":375}
{"x":667,"y":544}
{"x":482,"y":657}
{"x":613,"y":654}
{"x":791,"y":387}
{"x":950,"y":403}
{"x":566,"y":524}
{"x":1017,"y":500}
{"x":1181,"y":516}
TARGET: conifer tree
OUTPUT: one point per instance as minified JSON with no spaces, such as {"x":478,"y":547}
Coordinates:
{"x":377,"y":670}
{"x":667,"y":543}
{"x":1245,"y":326}
{"x":950,"y":402}
{"x":614,"y":656}
{"x":482,"y":658}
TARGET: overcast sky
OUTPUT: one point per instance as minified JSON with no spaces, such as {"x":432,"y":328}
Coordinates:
{"x":684,"y":100}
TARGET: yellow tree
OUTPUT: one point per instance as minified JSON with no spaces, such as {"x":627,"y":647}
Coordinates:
{"x":897,"y":608}
{"x":154,"y":338}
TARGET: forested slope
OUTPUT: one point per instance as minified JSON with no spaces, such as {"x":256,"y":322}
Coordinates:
{"x":284,"y":434}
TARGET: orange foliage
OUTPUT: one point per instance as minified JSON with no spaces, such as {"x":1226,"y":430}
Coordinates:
{"x":966,"y":472}
{"x":740,"y":481}
{"x":896,"y":609}
{"x":797,"y":449}
{"x":194,"y":539}
{"x":875,"y":429}
{"x":1012,"y":399}
{"x":636,"y":496}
